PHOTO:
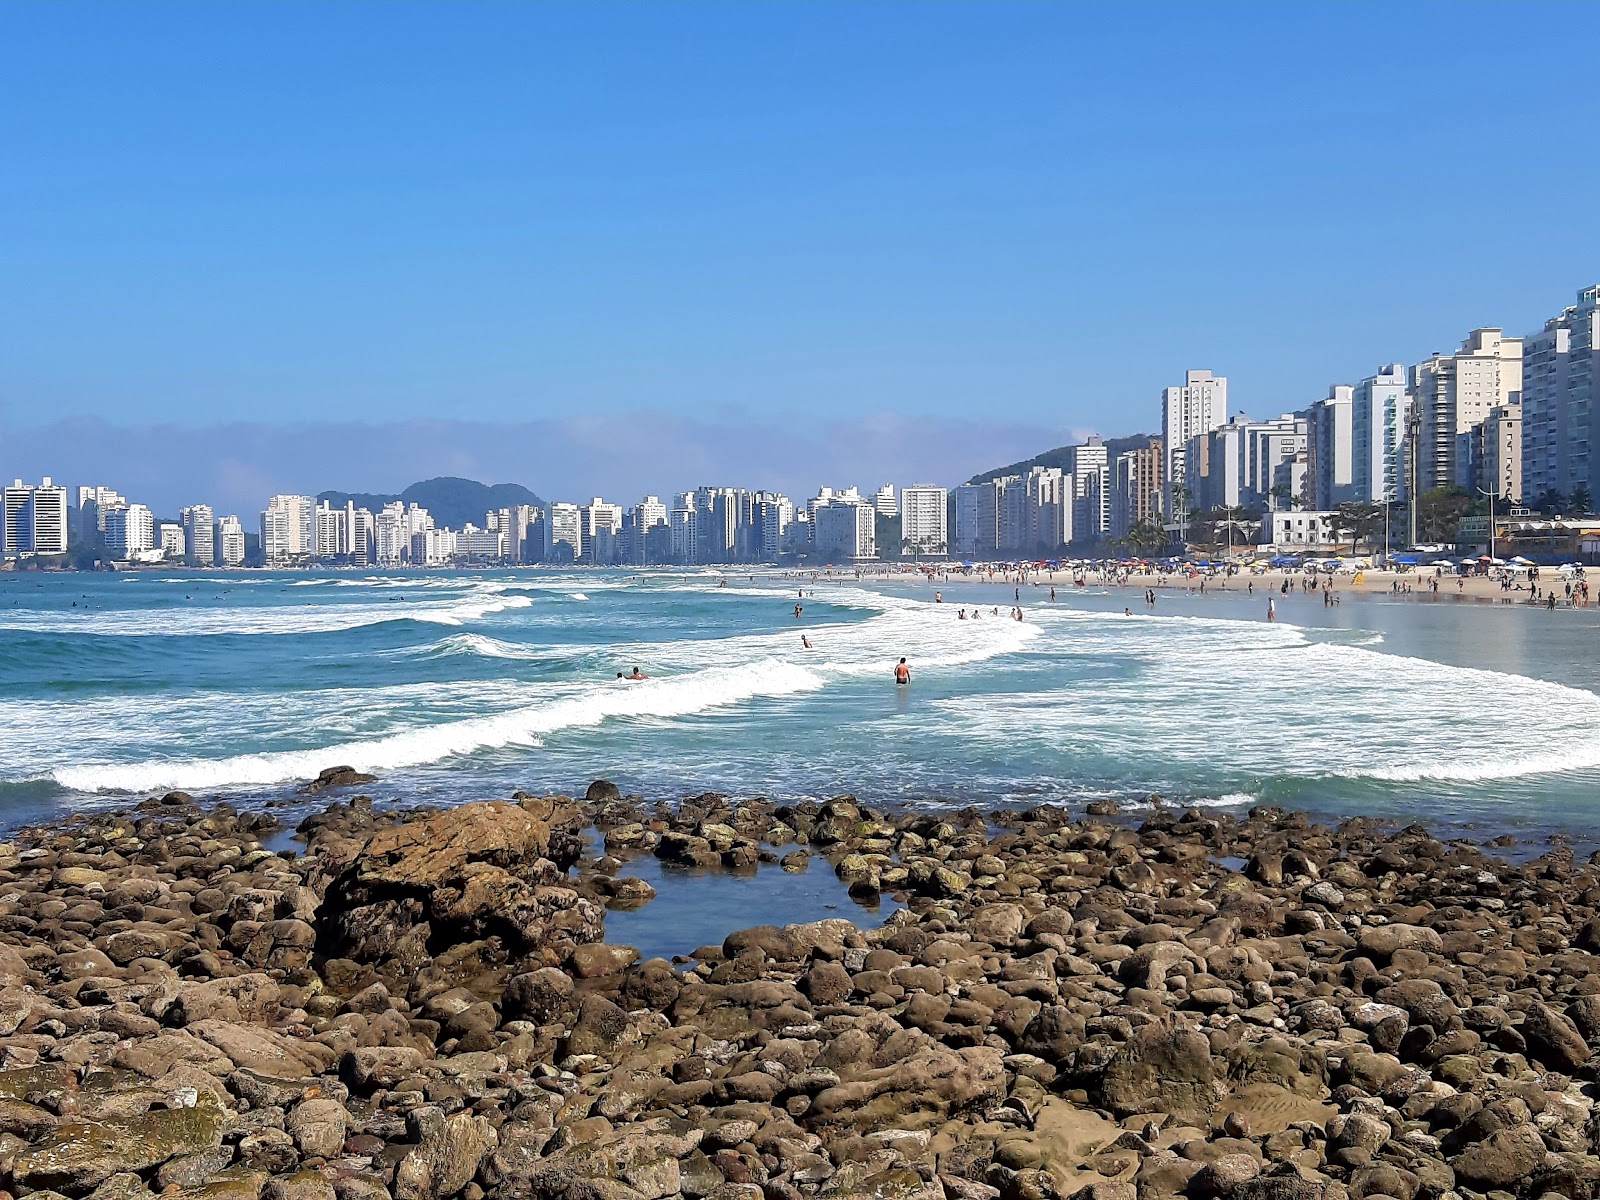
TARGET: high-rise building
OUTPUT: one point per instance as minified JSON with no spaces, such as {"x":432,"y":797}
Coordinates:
{"x":598,"y":526}
{"x":360,"y":532}
{"x":1136,"y":488}
{"x":288,"y":529}
{"x":846,"y":531}
{"x":1451,"y":393}
{"x":977,"y":516}
{"x":563,"y":538}
{"x":199,"y":535}
{"x":773,"y":514}
{"x":1036,"y":512}
{"x":92,"y":503}
{"x":1091,"y":473}
{"x":1561,"y":405}
{"x":33,"y":520}
{"x":1267,"y":445}
{"x":170,"y":540}
{"x":328,"y":534}
{"x":1380,"y":420}
{"x":391,"y":535}
{"x":130,"y":532}
{"x":230,"y":541}
{"x":1198,"y":406}
{"x":885,"y":501}
{"x":1330,"y":449}
{"x":1501,"y":471}
{"x":924,"y":518}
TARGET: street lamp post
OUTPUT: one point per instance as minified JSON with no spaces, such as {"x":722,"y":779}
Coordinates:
{"x":1490,"y":494}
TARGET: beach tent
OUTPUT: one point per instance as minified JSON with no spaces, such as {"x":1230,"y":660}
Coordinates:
{"x":1407,"y":560}
{"x":1519,"y":561}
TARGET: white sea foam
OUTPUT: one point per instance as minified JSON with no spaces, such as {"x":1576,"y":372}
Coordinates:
{"x":197,"y":621}
{"x":1239,"y":700}
{"x":678,"y":696}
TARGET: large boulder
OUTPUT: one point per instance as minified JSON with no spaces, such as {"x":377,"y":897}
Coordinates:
{"x":1162,"y":1069}
{"x":493,"y":870}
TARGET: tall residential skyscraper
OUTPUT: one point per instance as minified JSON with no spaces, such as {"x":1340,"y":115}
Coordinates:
{"x":1380,"y":420}
{"x":33,"y":520}
{"x":130,"y":531}
{"x":1454,"y":392}
{"x":199,"y":535}
{"x":924,"y":518}
{"x":288,"y":529}
{"x":1561,"y":404}
{"x":1091,"y":473}
{"x":230,"y":541}
{"x":1196,"y":407}
{"x":1501,"y":471}
{"x":563,"y":536}
{"x":92,"y":505}
{"x":977,"y":511}
{"x":847,"y":530}
{"x":1136,"y":488}
{"x":1330,"y":449}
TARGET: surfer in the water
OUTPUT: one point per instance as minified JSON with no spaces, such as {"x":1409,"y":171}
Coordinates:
{"x":902,"y":673}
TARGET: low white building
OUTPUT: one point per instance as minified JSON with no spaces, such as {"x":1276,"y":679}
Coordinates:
{"x":1302,"y":529}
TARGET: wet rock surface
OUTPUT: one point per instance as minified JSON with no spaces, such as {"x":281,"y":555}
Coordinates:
{"x":422,"y":1004}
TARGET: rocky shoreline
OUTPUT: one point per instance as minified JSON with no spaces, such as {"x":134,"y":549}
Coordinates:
{"x":422,"y":1004}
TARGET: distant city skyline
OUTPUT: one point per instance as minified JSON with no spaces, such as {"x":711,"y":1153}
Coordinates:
{"x":922,"y":239}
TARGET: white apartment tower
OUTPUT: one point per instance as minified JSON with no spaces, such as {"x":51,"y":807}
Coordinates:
{"x":1091,"y":472}
{"x":92,"y":505}
{"x":1380,"y":420}
{"x":924,"y":519}
{"x":199,"y":535}
{"x":288,"y":529}
{"x":846,"y":530}
{"x":33,"y":520}
{"x":230,"y":541}
{"x":563,"y":532}
{"x":977,"y":531}
{"x":1198,"y":406}
{"x":1561,"y":405}
{"x":130,"y":531}
{"x":1452,"y":393}
{"x":1330,"y":449}
{"x":1502,"y":453}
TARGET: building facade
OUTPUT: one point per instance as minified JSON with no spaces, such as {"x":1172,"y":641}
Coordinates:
{"x":1561,"y":406}
{"x":1380,"y":419}
{"x":1136,"y":488}
{"x":1452,"y":393}
{"x":924,"y":519}
{"x":1330,"y":450}
{"x":33,"y":518}
{"x":199,"y":535}
{"x":1195,"y":407}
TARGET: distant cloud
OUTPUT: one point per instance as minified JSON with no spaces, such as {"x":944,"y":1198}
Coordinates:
{"x":622,"y":456}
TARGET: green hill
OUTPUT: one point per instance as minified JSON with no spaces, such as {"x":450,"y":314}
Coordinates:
{"x":451,"y":501}
{"x":1061,"y":457}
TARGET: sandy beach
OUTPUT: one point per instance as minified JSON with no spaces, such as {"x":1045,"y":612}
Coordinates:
{"x":1416,"y":584}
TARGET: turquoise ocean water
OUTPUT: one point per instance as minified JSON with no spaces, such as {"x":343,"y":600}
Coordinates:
{"x":456,"y":686}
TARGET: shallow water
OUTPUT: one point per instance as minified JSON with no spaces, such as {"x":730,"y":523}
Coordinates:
{"x":451,"y":686}
{"x":695,"y":908}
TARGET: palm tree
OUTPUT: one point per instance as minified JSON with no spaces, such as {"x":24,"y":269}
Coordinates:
{"x":1581,"y":502}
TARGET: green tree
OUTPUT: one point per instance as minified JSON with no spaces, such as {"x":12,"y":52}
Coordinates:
{"x":1439,"y":514}
{"x":1581,"y":501}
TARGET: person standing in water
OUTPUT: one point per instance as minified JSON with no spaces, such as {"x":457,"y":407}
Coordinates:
{"x":902,"y":673}
{"x":1272,"y":612}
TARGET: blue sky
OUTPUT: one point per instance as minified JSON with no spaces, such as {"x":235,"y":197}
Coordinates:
{"x":621,"y":248}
